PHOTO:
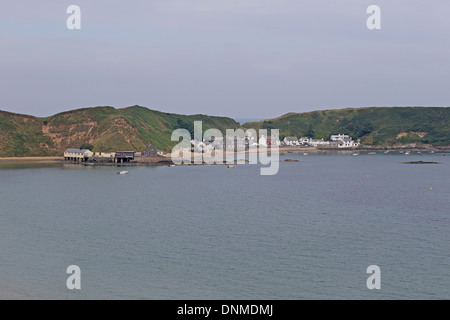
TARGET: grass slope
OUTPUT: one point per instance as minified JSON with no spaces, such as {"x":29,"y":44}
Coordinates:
{"x":374,"y":125}
{"x":106,"y":128}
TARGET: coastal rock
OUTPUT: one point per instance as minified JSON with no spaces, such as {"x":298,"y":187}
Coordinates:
{"x":421,"y":162}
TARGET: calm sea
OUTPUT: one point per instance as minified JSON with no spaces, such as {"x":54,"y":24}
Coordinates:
{"x":209,"y":232}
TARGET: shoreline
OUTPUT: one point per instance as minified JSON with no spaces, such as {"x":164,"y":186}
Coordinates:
{"x":31,"y":160}
{"x":164,"y":160}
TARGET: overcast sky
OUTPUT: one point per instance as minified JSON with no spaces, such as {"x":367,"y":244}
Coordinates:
{"x":237,"y":58}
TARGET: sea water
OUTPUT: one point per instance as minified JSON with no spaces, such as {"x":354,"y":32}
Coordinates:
{"x":212,"y":232}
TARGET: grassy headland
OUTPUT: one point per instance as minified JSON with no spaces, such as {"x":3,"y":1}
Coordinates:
{"x":374,"y":126}
{"x":106,"y":128}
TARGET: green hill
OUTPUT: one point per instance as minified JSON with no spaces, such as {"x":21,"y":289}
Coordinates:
{"x":106,"y":128}
{"x":374,"y":125}
{"x":132,"y":128}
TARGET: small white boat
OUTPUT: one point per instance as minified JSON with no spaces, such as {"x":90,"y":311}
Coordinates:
{"x":122,"y":172}
{"x":407,"y":152}
{"x":231,"y":166}
{"x":355,"y":154}
{"x":171,"y":165}
{"x":372,"y":153}
{"x":305,"y":153}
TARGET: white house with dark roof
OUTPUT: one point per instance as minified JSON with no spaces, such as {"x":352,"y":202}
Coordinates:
{"x":290,"y":141}
{"x":303,"y":140}
{"x":344,"y":141}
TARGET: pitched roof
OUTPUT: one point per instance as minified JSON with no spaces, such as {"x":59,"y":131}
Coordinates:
{"x":76,"y":150}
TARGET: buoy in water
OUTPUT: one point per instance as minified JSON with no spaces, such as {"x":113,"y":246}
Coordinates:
{"x":431,"y":188}
{"x":367,"y":177}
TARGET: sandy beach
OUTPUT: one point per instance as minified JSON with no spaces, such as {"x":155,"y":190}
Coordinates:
{"x":297,"y":149}
{"x":31,"y":159}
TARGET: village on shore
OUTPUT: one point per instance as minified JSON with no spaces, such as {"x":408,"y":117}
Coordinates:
{"x":236,"y":142}
{"x":154,"y":156}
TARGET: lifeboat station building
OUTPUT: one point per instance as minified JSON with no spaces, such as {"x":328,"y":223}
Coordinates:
{"x":78,"y":155}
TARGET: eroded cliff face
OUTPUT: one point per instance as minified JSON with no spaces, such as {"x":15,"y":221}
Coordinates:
{"x":117,"y":134}
{"x":69,"y":134}
{"x":106,"y":128}
{"x":23,"y":135}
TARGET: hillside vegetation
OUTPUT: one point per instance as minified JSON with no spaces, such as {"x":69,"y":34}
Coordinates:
{"x":106,"y":128}
{"x":374,"y":125}
{"x":132,"y":128}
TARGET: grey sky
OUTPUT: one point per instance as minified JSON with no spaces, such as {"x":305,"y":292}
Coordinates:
{"x":237,"y":58}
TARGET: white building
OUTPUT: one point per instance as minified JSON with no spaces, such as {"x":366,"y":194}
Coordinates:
{"x":344,"y":141}
{"x":235,"y":142}
{"x":291,"y":141}
{"x":105,"y":154}
{"x":223,"y":143}
{"x":313,"y":142}
{"x":336,"y":137}
{"x":303,"y":140}
{"x":318,"y":142}
{"x":262,"y":141}
{"x":78,"y":154}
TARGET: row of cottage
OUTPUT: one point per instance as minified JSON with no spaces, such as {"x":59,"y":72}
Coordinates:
{"x":336,"y":141}
{"x":85,"y":155}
